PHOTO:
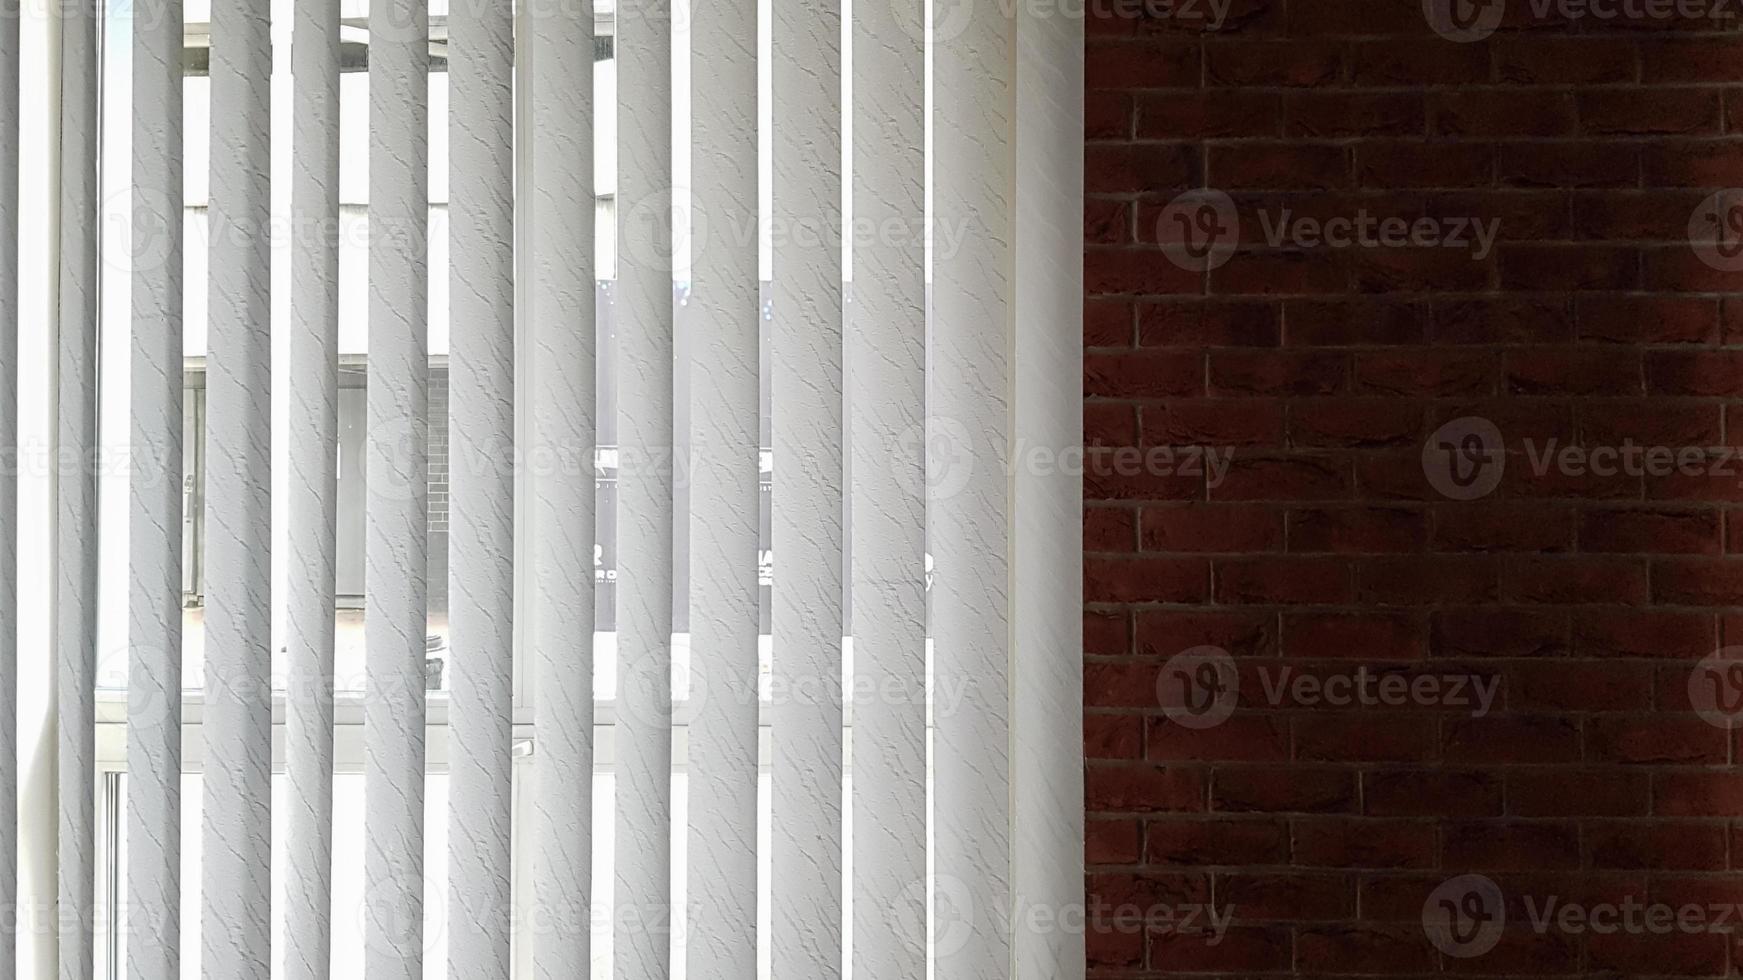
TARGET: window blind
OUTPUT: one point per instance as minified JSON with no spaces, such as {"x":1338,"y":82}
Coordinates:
{"x":75,"y":489}
{"x":154,"y":628}
{"x":915,"y":733}
{"x":10,"y":50}
{"x":313,"y":430}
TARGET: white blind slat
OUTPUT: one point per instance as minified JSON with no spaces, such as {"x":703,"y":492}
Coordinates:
{"x":725,"y":317}
{"x":887,"y":354}
{"x":76,"y":488}
{"x":481,"y":468}
{"x":9,"y":152}
{"x":154,"y":677}
{"x":642,"y":943}
{"x":1047,"y":635}
{"x":237,"y":852}
{"x":396,"y":550}
{"x":314,"y":436}
{"x":806,"y":404}
{"x":969,"y":515}
{"x":564,"y":410}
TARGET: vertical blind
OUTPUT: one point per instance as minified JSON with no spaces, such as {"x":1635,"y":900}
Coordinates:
{"x":923,"y":401}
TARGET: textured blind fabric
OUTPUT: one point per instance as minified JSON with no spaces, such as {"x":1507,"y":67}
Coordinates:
{"x":899,"y":386}
{"x":75,"y":514}
{"x":10,"y":51}
{"x":154,"y":730}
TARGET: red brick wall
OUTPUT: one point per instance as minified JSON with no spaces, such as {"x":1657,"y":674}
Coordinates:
{"x":1585,"y":601}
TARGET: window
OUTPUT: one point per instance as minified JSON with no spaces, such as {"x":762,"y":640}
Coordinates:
{"x":621,"y":736}
{"x":354,"y":370}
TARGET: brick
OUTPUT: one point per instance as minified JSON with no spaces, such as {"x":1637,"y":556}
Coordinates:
{"x":1365,"y":636}
{"x":1567,"y":164}
{"x":1500,"y":525}
{"x":1343,"y":323}
{"x":1357,"y":530}
{"x":1109,"y":529}
{"x":1273,"y":789}
{"x":1342,"y":842}
{"x":1537,"y":268}
{"x":1136,"y":271}
{"x":1362,"y":948}
{"x":1209,"y":324}
{"x":1300,"y":478}
{"x":1698,"y":582}
{"x":1211,"y":528}
{"x":1575,"y":579}
{"x":1565,"y":371}
{"x":1288,"y":897}
{"x":1426,"y":581}
{"x":1651,"y":531}
{"x":1401,"y":163}
{"x":1112,"y":168}
{"x":1364,"y":737}
{"x":1145,"y":374}
{"x":1548,"y":60}
{"x":1644,"y":633}
{"x":1143,"y":789}
{"x":1492,"y":632}
{"x":1654,"y":740}
{"x":1525,"y":846}
{"x":1209,"y":114}
{"x":1503,"y":320}
{"x":1107,"y":323}
{"x":1114,"y":841}
{"x":1426,"y":372}
{"x":1221,"y":840}
{"x":1264,"y":63}
{"x":1243,"y":633}
{"x":1682,"y":845}
{"x":1322,"y":114}
{"x":1699,"y":373}
{"x":1649,"y":112}
{"x":1150,"y":63}
{"x":1565,"y":792}
{"x":1281,"y":581}
{"x":1146,"y":580}
{"x":1107,"y":222}
{"x":1400,"y":62}
{"x":1277,"y":166}
{"x":1243,"y":738}
{"x":1480,"y":113}
{"x":1439,"y":793}
{"x":1113,"y":737}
